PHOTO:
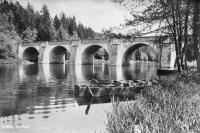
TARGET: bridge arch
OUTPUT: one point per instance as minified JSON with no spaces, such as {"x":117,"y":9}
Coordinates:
{"x":58,"y":55}
{"x":31,"y":54}
{"x":127,"y":52}
{"x":87,"y":54}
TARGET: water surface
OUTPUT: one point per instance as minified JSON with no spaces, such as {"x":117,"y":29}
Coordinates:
{"x":40,"y":98}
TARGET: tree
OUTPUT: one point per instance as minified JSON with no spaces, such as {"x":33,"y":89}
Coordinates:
{"x":74,"y":36}
{"x":101,"y":54}
{"x":8,"y":37}
{"x":29,"y":35}
{"x":62,"y":34}
{"x":46,"y":32}
{"x":56,"y":22}
{"x":26,"y":21}
{"x":19,"y":18}
{"x":72,"y":25}
{"x":80,"y":31}
{"x":64,"y":22}
{"x":164,"y":16}
{"x":160,"y":40}
{"x":10,"y":17}
{"x":196,"y":21}
{"x":30,"y":16}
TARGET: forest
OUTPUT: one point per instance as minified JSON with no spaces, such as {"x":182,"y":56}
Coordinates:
{"x":32,"y":25}
{"x":25,"y":24}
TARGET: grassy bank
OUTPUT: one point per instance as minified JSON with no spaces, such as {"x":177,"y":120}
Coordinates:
{"x":171,"y":106}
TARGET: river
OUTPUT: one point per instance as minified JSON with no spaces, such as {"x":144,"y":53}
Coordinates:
{"x":40,"y":98}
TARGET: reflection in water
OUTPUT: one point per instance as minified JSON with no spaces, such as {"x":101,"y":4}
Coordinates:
{"x":41,"y":95}
{"x":88,"y":106}
{"x":141,"y":71}
{"x":58,"y":71}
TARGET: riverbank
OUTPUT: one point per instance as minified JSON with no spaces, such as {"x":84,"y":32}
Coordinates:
{"x":7,"y":57}
{"x":172,"y":105}
{"x":9,"y":61}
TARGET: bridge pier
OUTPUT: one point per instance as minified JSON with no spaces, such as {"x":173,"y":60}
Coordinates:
{"x":43,"y":54}
{"x":115,"y":54}
{"x":73,"y":53}
{"x":20,"y":52}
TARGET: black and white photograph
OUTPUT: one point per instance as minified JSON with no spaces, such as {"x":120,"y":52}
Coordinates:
{"x":99,"y":66}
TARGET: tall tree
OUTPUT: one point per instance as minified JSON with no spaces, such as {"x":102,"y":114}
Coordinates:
{"x":64,"y":22}
{"x":80,"y":31}
{"x":46,"y":31}
{"x":72,"y":26}
{"x":196,"y":24}
{"x":56,"y":22}
{"x":30,"y":16}
{"x":20,"y":18}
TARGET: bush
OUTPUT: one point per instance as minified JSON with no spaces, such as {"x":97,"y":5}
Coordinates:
{"x":172,"y":106}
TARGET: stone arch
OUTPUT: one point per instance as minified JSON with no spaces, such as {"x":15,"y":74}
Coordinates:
{"x":31,"y":54}
{"x":58,"y":55}
{"x":87,"y":55}
{"x":126,"y":56}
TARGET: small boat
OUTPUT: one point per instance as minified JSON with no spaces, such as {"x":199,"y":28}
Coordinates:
{"x":107,"y":88}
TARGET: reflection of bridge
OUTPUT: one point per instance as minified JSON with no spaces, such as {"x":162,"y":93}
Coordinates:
{"x":82,"y":51}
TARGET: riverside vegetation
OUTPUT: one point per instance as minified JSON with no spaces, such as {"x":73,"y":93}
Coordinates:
{"x":170,"y":106}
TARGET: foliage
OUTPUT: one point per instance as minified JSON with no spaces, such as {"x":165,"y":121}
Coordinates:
{"x":74,"y":36}
{"x":29,"y":35}
{"x":46,"y":31}
{"x":109,"y":34}
{"x":168,"y":107}
{"x":62,"y":34}
{"x":190,"y":53}
{"x":144,"y":54}
{"x":70,"y":25}
{"x":169,"y":18}
{"x":8,"y":38}
{"x":56,"y":22}
{"x":27,"y":21}
{"x":101,"y":54}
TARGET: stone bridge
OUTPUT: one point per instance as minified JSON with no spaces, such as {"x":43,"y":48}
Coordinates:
{"x":82,"y":51}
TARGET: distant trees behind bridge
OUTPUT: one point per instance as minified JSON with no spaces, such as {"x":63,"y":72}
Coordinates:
{"x":32,"y":25}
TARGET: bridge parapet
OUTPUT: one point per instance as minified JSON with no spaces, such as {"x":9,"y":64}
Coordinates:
{"x":68,"y":42}
{"x":94,"y":41}
{"x":144,"y":39}
{"x":28,"y":44}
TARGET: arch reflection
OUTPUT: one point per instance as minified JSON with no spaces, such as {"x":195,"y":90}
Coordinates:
{"x":140,"y":71}
{"x":74,"y":73}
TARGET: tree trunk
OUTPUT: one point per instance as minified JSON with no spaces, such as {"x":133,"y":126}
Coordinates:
{"x":160,"y":56}
{"x":175,"y":36}
{"x":196,"y":4}
{"x":185,"y":35}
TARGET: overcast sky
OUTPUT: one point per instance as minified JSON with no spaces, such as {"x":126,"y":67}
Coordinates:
{"x":97,"y":14}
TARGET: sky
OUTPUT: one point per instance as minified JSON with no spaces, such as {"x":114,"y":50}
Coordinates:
{"x":97,"y":14}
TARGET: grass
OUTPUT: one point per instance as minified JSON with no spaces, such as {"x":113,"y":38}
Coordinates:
{"x":171,"y":106}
